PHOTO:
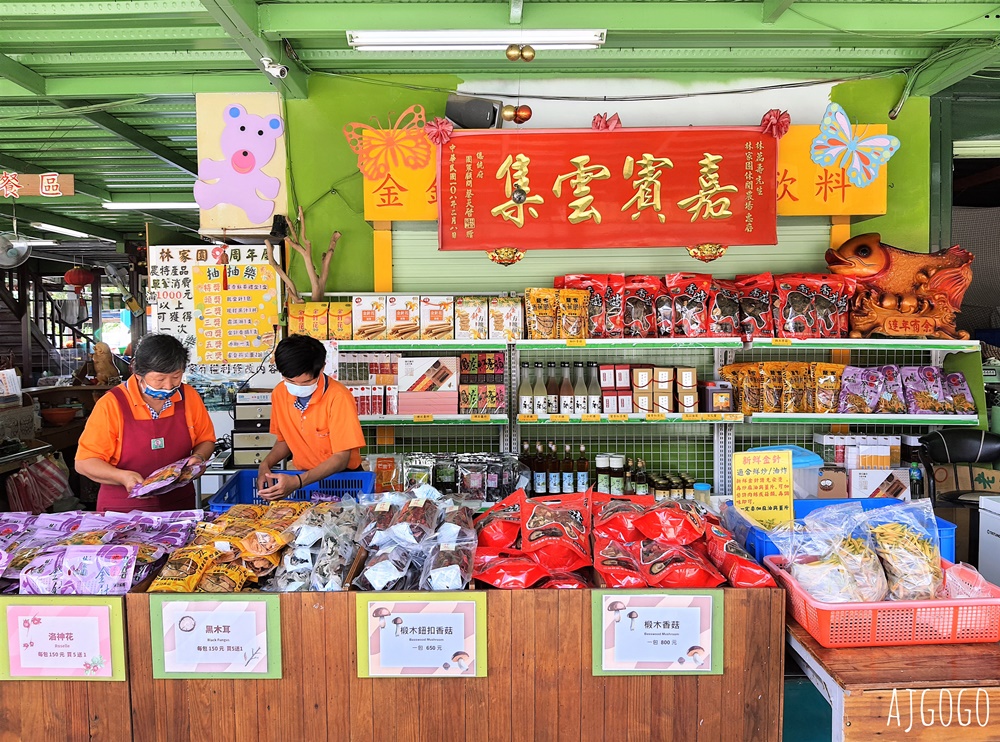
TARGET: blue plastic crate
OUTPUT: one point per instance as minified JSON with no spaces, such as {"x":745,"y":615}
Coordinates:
{"x":756,"y":541}
{"x":242,"y":489}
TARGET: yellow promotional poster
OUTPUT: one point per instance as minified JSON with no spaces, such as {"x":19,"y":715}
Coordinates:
{"x":762,"y":486}
{"x":808,"y":189}
{"x":235,"y":315}
{"x":310,"y":319}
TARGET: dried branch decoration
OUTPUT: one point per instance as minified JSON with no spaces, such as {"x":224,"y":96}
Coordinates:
{"x":297,"y":241}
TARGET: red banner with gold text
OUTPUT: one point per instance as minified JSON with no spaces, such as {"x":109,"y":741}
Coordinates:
{"x":560,"y":189}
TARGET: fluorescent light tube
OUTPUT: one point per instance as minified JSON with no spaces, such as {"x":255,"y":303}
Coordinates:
{"x":476,"y":39}
{"x":58,"y":230}
{"x":149,"y":205}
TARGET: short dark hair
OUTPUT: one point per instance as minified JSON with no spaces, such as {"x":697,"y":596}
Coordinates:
{"x":160,"y":354}
{"x":299,"y":354}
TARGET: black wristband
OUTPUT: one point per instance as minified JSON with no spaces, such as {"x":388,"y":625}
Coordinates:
{"x":300,"y":480}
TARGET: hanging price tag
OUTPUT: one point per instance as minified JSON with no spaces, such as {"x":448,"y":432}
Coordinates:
{"x":785,"y":342}
{"x":479,"y":418}
{"x":558,"y":418}
{"x":425,"y":418}
{"x":655,"y":417}
{"x":576,"y":343}
{"x":619,"y":418}
{"x":527,"y":418}
{"x":590,"y":418}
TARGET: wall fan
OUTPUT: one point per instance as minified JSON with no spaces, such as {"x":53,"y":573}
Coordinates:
{"x":13,"y":251}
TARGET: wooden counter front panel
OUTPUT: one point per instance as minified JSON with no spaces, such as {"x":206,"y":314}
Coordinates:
{"x":539,"y":684}
{"x":967,"y":713}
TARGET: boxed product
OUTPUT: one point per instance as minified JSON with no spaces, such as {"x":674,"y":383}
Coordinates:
{"x":491,"y":367}
{"x":622,"y":376}
{"x":687,"y":400}
{"x":625,"y":405}
{"x":687,"y":377}
{"x":377,"y":403}
{"x":468,"y":399}
{"x":403,"y":317}
{"x":369,"y":318}
{"x":826,"y":446}
{"x":471,"y":318}
{"x":431,"y":374}
{"x":607,"y":376}
{"x":893,"y":483}
{"x":642,"y":401}
{"x":953,"y":479}
{"x":339,"y":324}
{"x":392,"y":400}
{"x":663,"y":401}
{"x":469,"y":368}
{"x":506,"y":318}
{"x":437,"y":318}
{"x":642,"y":378}
{"x":716,"y":396}
{"x":610,"y":401}
{"x":663,"y":379}
{"x":311,"y":318}
{"x":433,"y":403}
{"x":833,"y":483}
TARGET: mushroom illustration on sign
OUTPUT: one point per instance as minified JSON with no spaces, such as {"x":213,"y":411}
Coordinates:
{"x":617,"y":606}
{"x":380,"y":614}
{"x":446,"y":665}
{"x":633,"y":616}
{"x":697,"y":655}
{"x":462,"y":660}
{"x":399,"y":622}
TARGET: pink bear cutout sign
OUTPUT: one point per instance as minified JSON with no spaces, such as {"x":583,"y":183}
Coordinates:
{"x":248,"y":143}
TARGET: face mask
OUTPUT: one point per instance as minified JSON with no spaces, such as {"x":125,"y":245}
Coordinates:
{"x":301,"y":391}
{"x":158,"y":393}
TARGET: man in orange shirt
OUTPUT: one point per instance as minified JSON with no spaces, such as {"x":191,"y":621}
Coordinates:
{"x":314,"y":418}
{"x":146,"y":423}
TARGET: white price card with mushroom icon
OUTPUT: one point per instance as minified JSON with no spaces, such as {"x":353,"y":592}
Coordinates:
{"x":657,"y":632}
{"x":422,"y":635}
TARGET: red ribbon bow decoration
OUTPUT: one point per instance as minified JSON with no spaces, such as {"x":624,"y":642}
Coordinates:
{"x":776,"y":122}
{"x":602,"y":122}
{"x":439,"y":131}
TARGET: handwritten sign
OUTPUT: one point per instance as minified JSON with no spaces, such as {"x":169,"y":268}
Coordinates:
{"x":422,"y":635}
{"x":651,"y":633}
{"x":46,"y":185}
{"x":216,"y":636}
{"x":762,"y":486}
{"x":62,"y":638}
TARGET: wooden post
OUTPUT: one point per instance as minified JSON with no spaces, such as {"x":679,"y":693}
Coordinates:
{"x":382,"y":256}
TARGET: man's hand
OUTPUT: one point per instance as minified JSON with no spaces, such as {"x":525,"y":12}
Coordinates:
{"x":129,"y":479}
{"x":279,"y":485}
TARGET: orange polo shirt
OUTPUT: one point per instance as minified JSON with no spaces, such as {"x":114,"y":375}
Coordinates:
{"x":329,"y":425}
{"x":102,"y":436}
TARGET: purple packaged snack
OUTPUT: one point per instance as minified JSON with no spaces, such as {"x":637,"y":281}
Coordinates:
{"x":160,"y":481}
{"x":892,"y":401}
{"x":860,"y":389}
{"x":80,"y":570}
{"x":961,"y":396}
{"x":924,"y":389}
{"x":19,"y":518}
{"x":69,"y":521}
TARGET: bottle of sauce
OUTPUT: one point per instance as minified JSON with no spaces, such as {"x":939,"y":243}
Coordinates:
{"x":629,"y":468}
{"x":579,"y":390}
{"x":616,"y":475}
{"x":603,"y":465}
{"x":555,"y":475}
{"x":567,"y":404}
{"x":552,"y":390}
{"x":539,"y":471}
{"x":640,"y":482}
{"x":525,"y":392}
{"x":528,"y":461}
{"x":594,"y":396}
{"x":582,"y":470}
{"x":538,"y":392}
{"x":567,"y":467}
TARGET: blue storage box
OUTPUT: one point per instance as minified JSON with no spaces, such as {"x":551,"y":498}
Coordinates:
{"x":756,"y":541}
{"x":805,"y":469}
{"x":242,"y":489}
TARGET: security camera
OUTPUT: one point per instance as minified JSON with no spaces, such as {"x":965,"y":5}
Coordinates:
{"x":275,"y":70}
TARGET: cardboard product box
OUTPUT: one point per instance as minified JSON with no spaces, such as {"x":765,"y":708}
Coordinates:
{"x":339,"y":321}
{"x":392,"y":400}
{"x":607,"y":376}
{"x":311,"y":318}
{"x":825,"y":447}
{"x":469,"y":368}
{"x":487,"y":368}
{"x":687,"y":399}
{"x":623,"y":377}
{"x":953,"y":479}
{"x":493,"y":399}
{"x":433,"y":403}
{"x":499,"y":367}
{"x":433,"y":374}
{"x":834,"y":483}
{"x":403,"y":317}
{"x":471,"y":318}
{"x":377,"y":404}
{"x":685,"y":409}
{"x":663,"y":379}
{"x":610,"y":402}
{"x":687,"y":377}
{"x":468,"y":399}
{"x":663,"y":401}
{"x":873,"y":457}
{"x":365,"y":399}
{"x":642,"y":378}
{"x":356,"y":394}
{"x":625,"y":405}
{"x":716,"y":396}
{"x":506,"y":318}
{"x":369,"y":318}
{"x":437,"y":318}
{"x":893,"y":483}
{"x":642,"y":401}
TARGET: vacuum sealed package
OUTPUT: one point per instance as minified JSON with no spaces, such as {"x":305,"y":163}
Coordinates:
{"x":184,"y":569}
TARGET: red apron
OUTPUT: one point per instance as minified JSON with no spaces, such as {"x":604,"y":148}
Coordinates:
{"x":148,"y":445}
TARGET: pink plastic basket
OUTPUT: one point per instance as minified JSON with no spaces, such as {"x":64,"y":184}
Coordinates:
{"x":891,"y":623}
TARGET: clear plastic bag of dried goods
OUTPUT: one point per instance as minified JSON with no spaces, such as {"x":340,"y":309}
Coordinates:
{"x":448,"y":566}
{"x":905,"y":537}
{"x":385,"y":567}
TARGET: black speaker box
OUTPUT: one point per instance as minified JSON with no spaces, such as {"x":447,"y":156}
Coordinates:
{"x":467,"y":112}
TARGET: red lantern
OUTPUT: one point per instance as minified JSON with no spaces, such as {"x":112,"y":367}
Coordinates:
{"x":78,"y":277}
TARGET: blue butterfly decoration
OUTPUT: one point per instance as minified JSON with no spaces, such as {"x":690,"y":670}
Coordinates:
{"x":861,"y":157}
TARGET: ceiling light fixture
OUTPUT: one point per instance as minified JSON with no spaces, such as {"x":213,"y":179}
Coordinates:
{"x":475,"y":39}
{"x":149,"y":205}
{"x":66,"y":231}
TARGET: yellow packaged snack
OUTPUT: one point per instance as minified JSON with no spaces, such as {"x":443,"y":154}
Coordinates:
{"x":795,"y":381}
{"x":261,"y":566}
{"x":731,"y":373}
{"x":264,"y":540}
{"x":827,"y":382}
{"x":573,"y":313}
{"x":772,"y":385}
{"x":282,"y":509}
{"x":224,"y":578}
{"x":85,"y":538}
{"x":184,"y":569}
{"x":750,"y":389}
{"x":541,"y":309}
{"x":244,"y":512}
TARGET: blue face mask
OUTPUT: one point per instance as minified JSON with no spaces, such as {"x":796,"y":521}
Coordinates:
{"x":159,"y":394}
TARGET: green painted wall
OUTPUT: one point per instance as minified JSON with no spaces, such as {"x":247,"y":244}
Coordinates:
{"x":320,"y":160}
{"x":907,"y":222}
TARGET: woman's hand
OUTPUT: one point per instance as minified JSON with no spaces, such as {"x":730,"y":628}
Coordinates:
{"x":280,"y":485}
{"x":129,"y":479}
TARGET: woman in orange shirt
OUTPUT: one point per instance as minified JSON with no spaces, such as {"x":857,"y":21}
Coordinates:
{"x":314,"y":419}
{"x":148,"y":422}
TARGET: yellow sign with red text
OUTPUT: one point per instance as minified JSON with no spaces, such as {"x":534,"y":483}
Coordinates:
{"x":808,"y":189}
{"x":762,"y":486}
{"x":404,"y":185}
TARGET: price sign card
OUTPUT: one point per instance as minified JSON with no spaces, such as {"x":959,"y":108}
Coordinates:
{"x":657,"y":632}
{"x":418,"y":635}
{"x":762,"y":486}
{"x":216,"y":636}
{"x":55,"y":637}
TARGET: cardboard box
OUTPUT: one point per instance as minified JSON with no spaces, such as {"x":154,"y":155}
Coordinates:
{"x":506,"y":318}
{"x":686,"y":399}
{"x":369,"y":318}
{"x":953,"y":479}
{"x":437,"y":318}
{"x":610,"y":402}
{"x":663,"y":401}
{"x":663,"y":379}
{"x":687,"y":377}
{"x":623,"y":377}
{"x":468,"y":368}
{"x":468,"y":399}
{"x":642,"y":378}
{"x":311,"y":318}
{"x":433,"y":403}
{"x":377,"y":403}
{"x":685,"y":409}
{"x":893,"y":483}
{"x":625,"y":405}
{"x":403,"y":317}
{"x":339,"y":322}
{"x":716,"y":396}
{"x":833,"y":483}
{"x":434,"y":374}
{"x":471,"y":318}
{"x":642,"y":401}
{"x":607,"y":376}
{"x":392,"y":400}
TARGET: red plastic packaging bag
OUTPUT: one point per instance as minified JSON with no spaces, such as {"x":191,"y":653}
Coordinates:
{"x":565,"y":581}
{"x":724,"y":309}
{"x":615,"y":564}
{"x":675,"y":566}
{"x":671,"y":522}
{"x":561,"y":520}
{"x":614,"y":306}
{"x":614,"y":517}
{"x":733,"y":561}
{"x":597,"y":285}
{"x":510,"y":572}
{"x":500,"y":526}
{"x":803,"y":310}
{"x":689,"y":293}
{"x":756,"y":317}
{"x":640,"y":306}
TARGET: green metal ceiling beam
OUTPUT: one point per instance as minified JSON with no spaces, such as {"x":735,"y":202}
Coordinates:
{"x":774,"y":8}
{"x":87,"y":189}
{"x":239,"y":19}
{"x":113,"y":86}
{"x":18,"y":74}
{"x":31,"y":214}
{"x":516,"y":11}
{"x":67,"y":37}
{"x":142,"y":9}
{"x":306,"y":20}
{"x":950,"y":69}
